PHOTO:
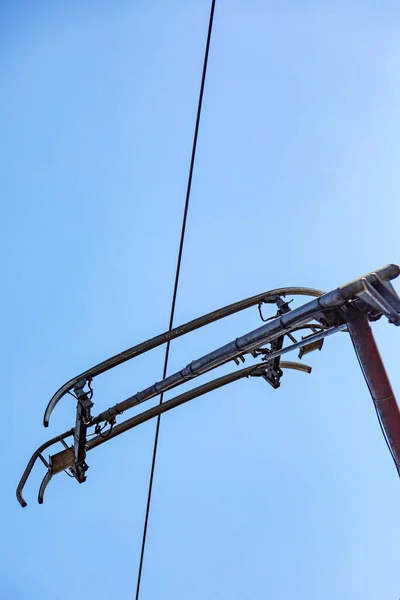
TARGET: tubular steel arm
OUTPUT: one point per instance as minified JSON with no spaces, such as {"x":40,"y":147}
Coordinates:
{"x":203,"y":365}
{"x":348,"y":307}
{"x":258,"y":370}
{"x":65,"y":459}
{"x":266,"y":297}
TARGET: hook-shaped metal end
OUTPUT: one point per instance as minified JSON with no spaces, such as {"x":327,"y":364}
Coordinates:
{"x":45,"y":482}
{"x":266,"y":297}
{"x":21,"y":499}
{"x":64,"y":389}
{"x":38,"y":454}
{"x":65,"y":460}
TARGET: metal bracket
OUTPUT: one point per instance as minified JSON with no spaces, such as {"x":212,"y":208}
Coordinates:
{"x":65,"y":460}
{"x":57,"y":463}
{"x":327,"y":314}
{"x":273,"y":371}
{"x":381,"y":297}
{"x":82,"y":422}
{"x":310,"y":347}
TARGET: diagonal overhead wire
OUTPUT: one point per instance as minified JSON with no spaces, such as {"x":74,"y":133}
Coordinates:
{"x":175,"y":291}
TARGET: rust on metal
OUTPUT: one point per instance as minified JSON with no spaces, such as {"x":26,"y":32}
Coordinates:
{"x":61,"y":461}
{"x":378,"y":382}
{"x":347,"y":308}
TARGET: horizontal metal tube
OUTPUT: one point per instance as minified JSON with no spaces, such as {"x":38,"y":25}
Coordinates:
{"x":251,"y":341}
{"x":155,"y":411}
{"x":169,"y":404}
{"x":177,"y":378}
{"x":254,"y":339}
{"x":367,"y":352}
{"x":347,"y":291}
{"x":65,"y":459}
{"x":331,"y":300}
{"x":179,"y":331}
{"x":314,"y":338}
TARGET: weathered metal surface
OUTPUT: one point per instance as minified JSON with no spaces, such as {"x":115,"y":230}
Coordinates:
{"x":378,"y":383}
{"x":34,"y":457}
{"x":311,"y":347}
{"x":349,"y":306}
{"x":381,"y":297}
{"x":266,"y":297}
{"x":66,"y":459}
{"x":209,"y":362}
{"x":61,"y":461}
{"x":253,"y":371}
{"x":83,"y":420}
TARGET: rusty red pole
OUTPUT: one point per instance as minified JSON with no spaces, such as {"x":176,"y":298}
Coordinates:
{"x":378,"y":383}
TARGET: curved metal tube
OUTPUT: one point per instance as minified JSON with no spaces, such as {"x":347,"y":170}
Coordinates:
{"x":283,"y":324}
{"x":254,"y":370}
{"x":34,"y":457}
{"x":43,"y":486}
{"x":279,"y":325}
{"x":215,"y":359}
{"x":295,"y":366}
{"x":118,"y":359}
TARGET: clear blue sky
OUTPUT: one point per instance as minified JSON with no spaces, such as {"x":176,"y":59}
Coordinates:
{"x":258,"y":494}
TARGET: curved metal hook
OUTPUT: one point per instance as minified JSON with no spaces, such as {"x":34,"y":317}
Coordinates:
{"x":58,"y":462}
{"x":118,"y":359}
{"x":43,"y":486}
{"x":37,"y":454}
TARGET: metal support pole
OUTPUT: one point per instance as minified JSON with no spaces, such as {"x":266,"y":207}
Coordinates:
{"x":378,"y":383}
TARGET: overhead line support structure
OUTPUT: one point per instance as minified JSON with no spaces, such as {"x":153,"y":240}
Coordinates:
{"x":349,"y":308}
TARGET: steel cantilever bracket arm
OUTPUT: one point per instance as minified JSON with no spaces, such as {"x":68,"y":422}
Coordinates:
{"x":64,"y":460}
{"x":266,"y":297}
{"x":349,"y":307}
